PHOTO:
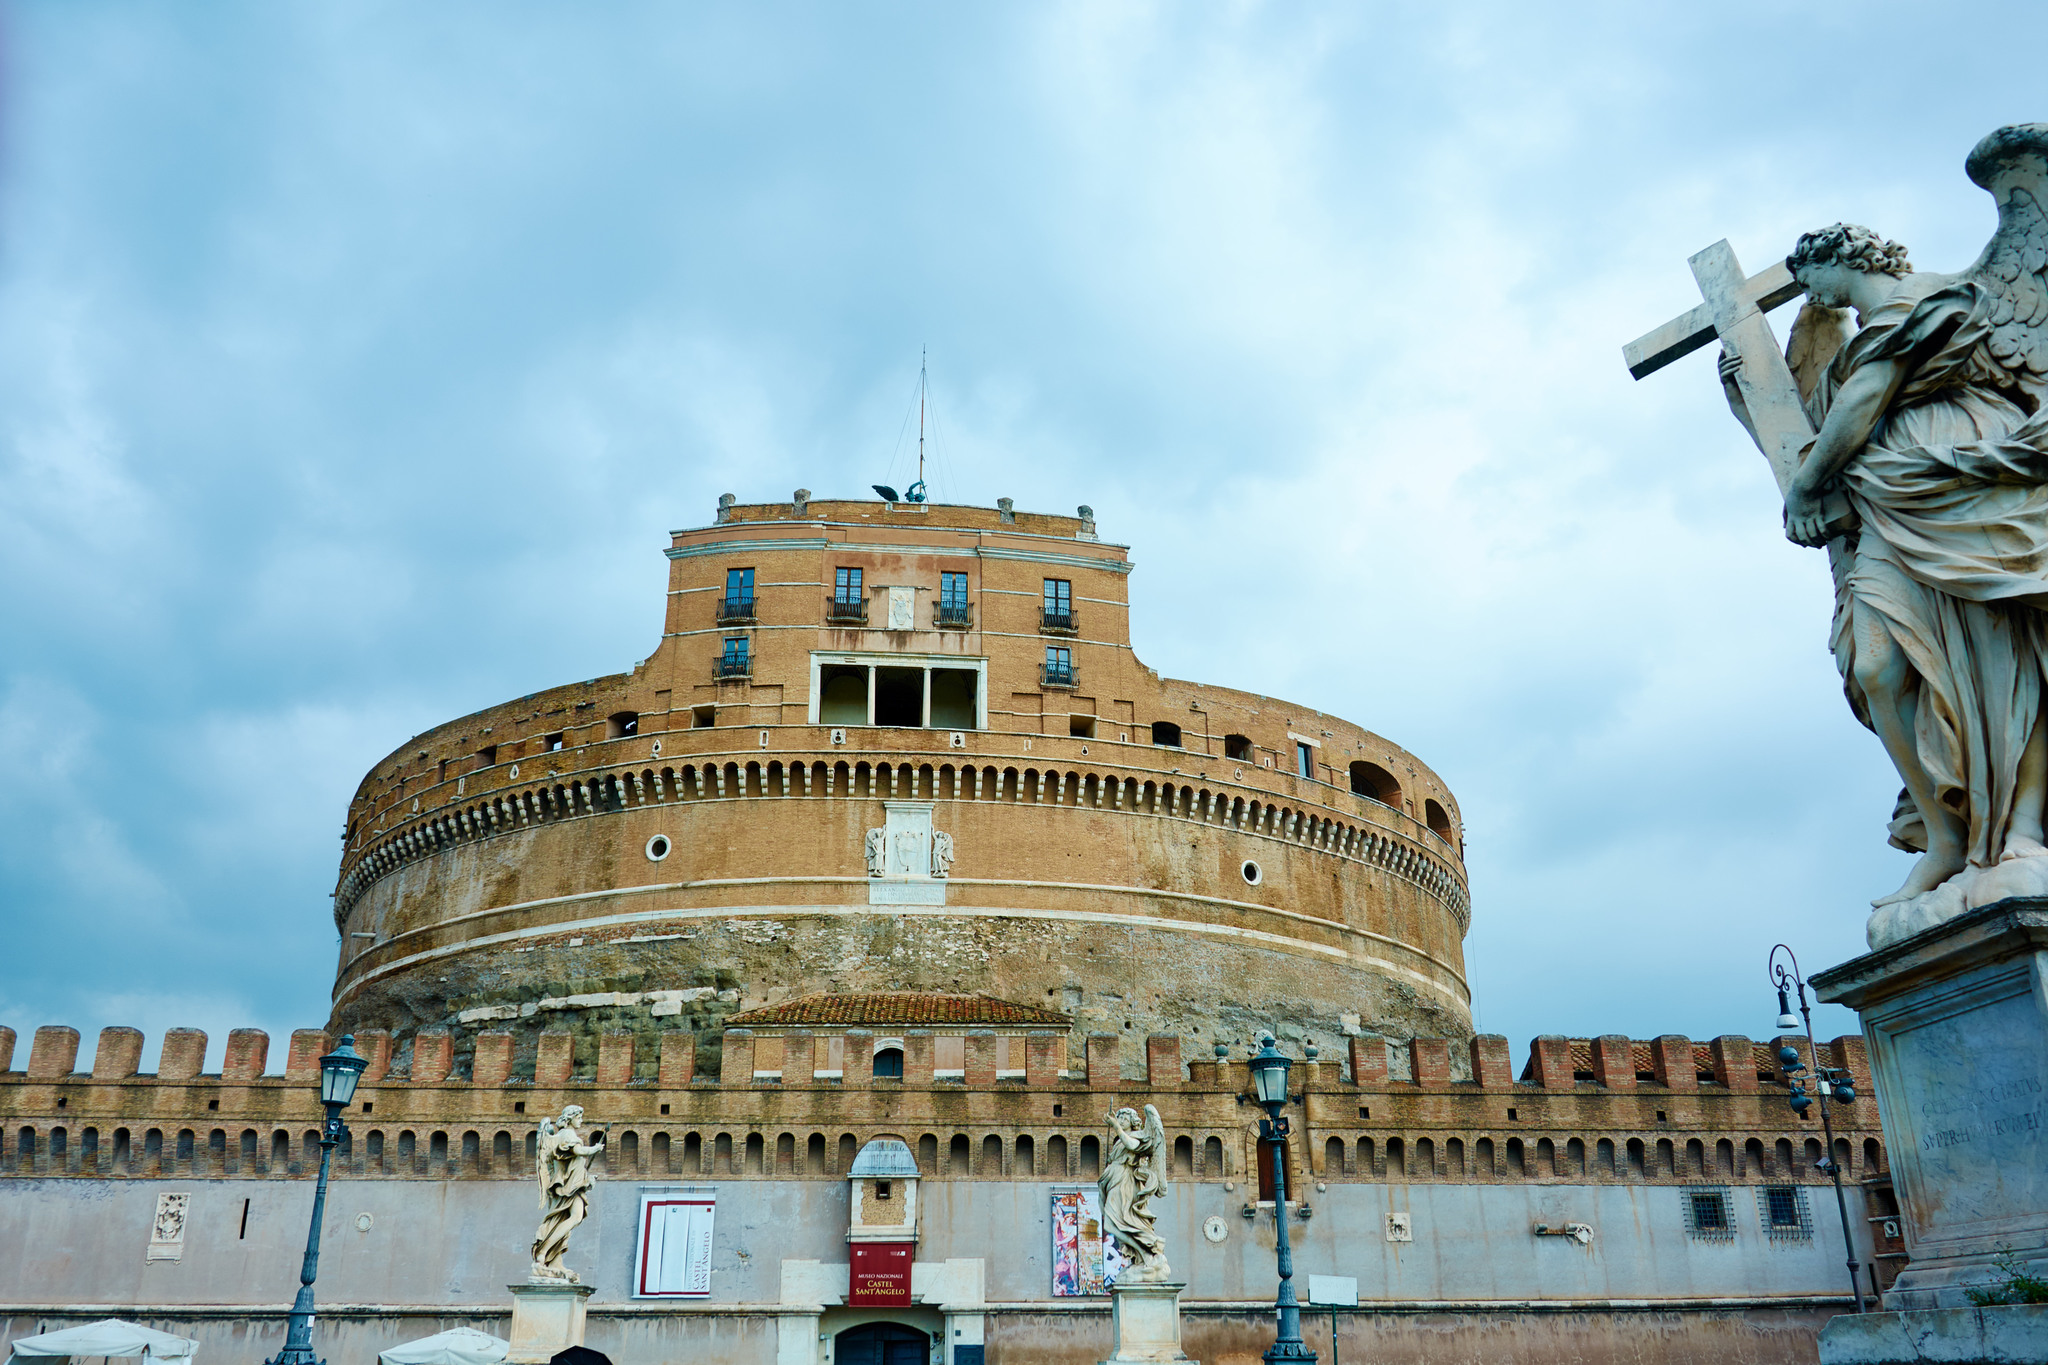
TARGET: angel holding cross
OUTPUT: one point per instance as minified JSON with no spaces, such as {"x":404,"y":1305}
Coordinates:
{"x":1929,"y":421}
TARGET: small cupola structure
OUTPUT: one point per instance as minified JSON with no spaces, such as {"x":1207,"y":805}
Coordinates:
{"x":884,"y":1206}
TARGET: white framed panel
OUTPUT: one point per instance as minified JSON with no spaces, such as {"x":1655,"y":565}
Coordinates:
{"x":672,"y":1252}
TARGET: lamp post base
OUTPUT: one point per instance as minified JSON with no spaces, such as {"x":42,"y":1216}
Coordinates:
{"x":1147,"y":1322}
{"x":547,"y":1317}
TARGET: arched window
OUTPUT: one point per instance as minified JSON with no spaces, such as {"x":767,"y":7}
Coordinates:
{"x":1238,"y":747}
{"x":1091,"y":1157}
{"x":959,"y":1156}
{"x":1370,"y":779}
{"x":814,"y":1155}
{"x":620,"y":724}
{"x":1212,"y":1158}
{"x":1026,"y":1163}
{"x":991,"y":1155}
{"x":1166,"y":733}
{"x":889,"y":1064}
{"x":1056,"y":1157}
{"x":1439,"y":823}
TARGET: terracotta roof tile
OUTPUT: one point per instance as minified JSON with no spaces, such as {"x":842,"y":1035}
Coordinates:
{"x":900,"y":1009}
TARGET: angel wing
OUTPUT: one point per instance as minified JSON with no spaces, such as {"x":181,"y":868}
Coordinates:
{"x":540,"y":1167}
{"x":2012,"y":164}
{"x":1155,"y":1145}
{"x":1817,"y":333}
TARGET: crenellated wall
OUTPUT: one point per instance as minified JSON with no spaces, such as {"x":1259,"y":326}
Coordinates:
{"x":1608,"y":1110}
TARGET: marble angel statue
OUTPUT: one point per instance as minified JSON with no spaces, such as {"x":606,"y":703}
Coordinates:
{"x":1930,"y":422}
{"x":563,"y":1158}
{"x":1133,"y":1176}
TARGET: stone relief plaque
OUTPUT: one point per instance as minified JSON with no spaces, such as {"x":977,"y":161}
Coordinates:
{"x":167,"y":1229}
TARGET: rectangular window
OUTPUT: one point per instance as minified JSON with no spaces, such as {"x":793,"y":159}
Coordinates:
{"x":846,"y":586}
{"x":953,"y":599}
{"x":1059,"y":666}
{"x":1784,"y":1212}
{"x":733,"y":662}
{"x":739,"y":594}
{"x":1305,"y":760}
{"x":1059,"y":604}
{"x":1709,"y":1214}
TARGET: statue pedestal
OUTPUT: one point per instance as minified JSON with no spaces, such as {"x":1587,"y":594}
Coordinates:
{"x":547,"y":1316}
{"x":1956,"y":1019}
{"x":1147,"y":1321}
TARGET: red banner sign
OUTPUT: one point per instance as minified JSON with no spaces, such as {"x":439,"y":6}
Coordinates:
{"x":881,"y":1274}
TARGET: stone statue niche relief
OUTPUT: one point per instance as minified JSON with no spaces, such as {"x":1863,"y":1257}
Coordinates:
{"x":1925,"y":477}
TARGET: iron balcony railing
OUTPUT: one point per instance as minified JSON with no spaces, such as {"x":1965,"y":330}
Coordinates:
{"x":731,"y":667}
{"x":1059,"y":675}
{"x":853,"y":609}
{"x":732,"y":609}
{"x":955,"y":615}
{"x":1052,"y":619}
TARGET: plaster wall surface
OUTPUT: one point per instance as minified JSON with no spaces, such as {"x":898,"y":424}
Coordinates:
{"x":435,"y":1244}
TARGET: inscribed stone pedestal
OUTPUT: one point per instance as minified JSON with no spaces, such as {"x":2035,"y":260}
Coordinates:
{"x":1956,"y":1019}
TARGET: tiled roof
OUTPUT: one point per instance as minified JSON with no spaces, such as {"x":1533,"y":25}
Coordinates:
{"x":898,"y":1010}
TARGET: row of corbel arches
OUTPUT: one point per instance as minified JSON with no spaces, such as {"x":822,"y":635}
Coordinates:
{"x":1643,"y":1158}
{"x":604,"y":793}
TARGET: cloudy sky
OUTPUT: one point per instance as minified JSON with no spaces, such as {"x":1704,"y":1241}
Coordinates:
{"x":356,"y":358}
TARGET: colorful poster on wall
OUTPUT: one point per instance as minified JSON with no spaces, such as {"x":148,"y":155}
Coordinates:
{"x":1084,"y":1262}
{"x":673,"y":1260}
{"x":880,"y":1274}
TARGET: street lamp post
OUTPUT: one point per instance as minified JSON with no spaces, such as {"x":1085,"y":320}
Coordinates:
{"x":1828,"y":1083}
{"x":1269,"y":1084}
{"x":339,"y":1071}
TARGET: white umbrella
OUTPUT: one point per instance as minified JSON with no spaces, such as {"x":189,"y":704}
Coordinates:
{"x":108,"y":1337}
{"x":456,"y":1346}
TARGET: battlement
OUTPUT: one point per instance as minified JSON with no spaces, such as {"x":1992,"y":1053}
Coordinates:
{"x":1382,"y":1110}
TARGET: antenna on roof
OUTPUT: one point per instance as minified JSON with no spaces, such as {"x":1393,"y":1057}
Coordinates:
{"x":916,"y":492}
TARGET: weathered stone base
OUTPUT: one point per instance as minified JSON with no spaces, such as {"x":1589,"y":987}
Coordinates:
{"x":547,"y":1317}
{"x":2013,"y":1335}
{"x":1956,"y":1019}
{"x":1146,"y":1320}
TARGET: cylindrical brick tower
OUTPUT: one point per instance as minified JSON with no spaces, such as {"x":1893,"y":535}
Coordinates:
{"x":896,"y":747}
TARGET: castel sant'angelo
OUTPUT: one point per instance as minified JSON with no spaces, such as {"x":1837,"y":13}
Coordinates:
{"x":848,"y":914}
{"x":1060,"y":826}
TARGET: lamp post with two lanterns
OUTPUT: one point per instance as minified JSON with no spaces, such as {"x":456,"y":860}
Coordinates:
{"x":339,"y":1071}
{"x":1269,"y":1083}
{"x":1828,"y":1083}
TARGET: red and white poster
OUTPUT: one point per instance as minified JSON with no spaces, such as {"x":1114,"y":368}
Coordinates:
{"x":674,"y":1260}
{"x":881,"y":1274}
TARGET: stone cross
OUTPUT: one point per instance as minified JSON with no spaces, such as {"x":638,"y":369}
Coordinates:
{"x":1734,"y":312}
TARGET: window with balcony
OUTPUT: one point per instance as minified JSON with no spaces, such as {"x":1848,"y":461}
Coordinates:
{"x":848,"y":602}
{"x":953,"y":613}
{"x":1059,"y":666}
{"x":738,"y":602}
{"x":734,"y":662}
{"x":1058,"y":604}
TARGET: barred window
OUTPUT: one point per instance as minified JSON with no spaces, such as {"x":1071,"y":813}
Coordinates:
{"x":1709,"y":1213}
{"x":1785,"y":1213}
